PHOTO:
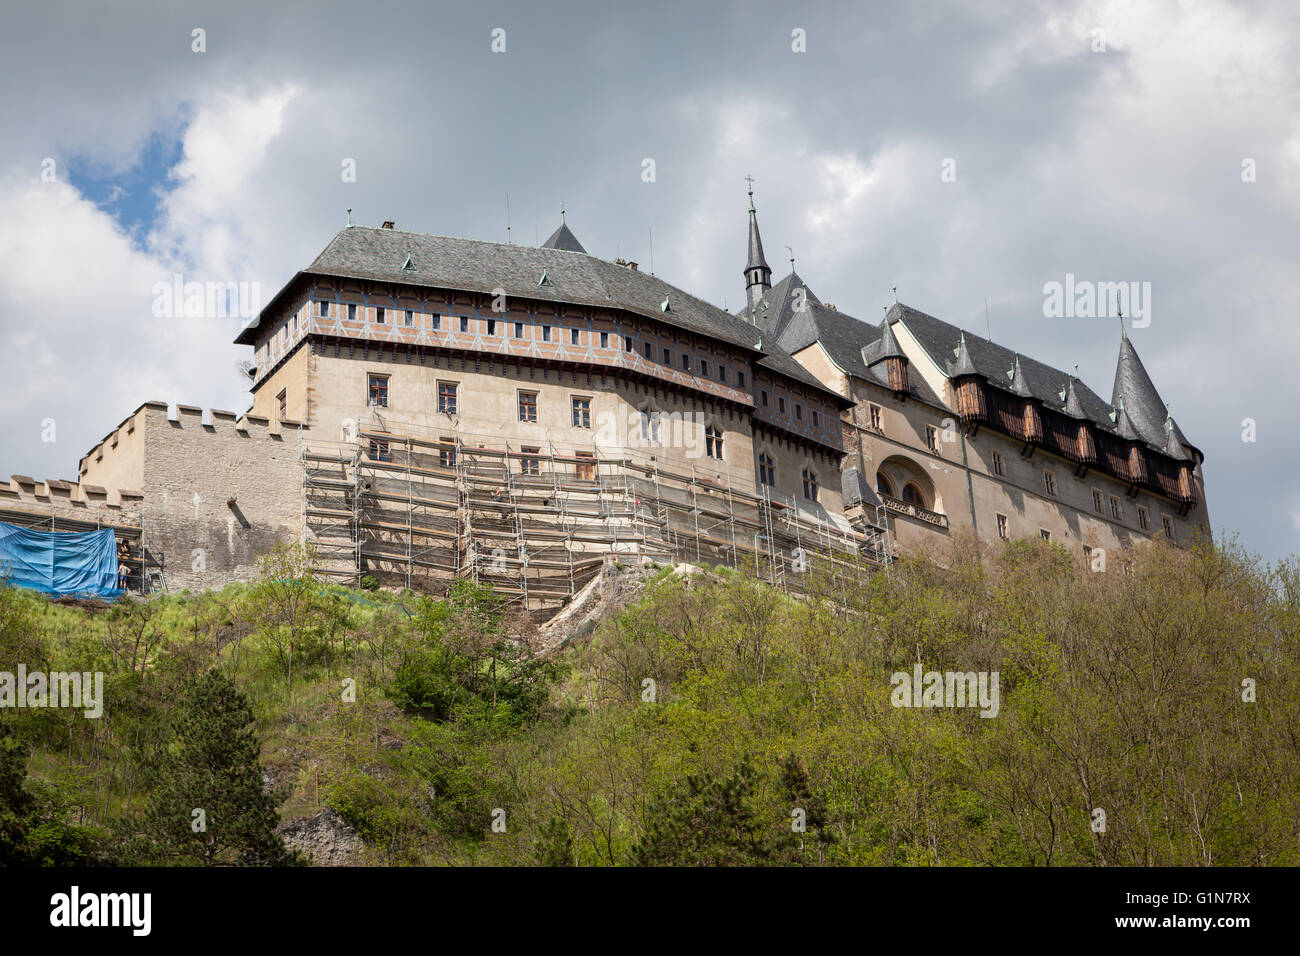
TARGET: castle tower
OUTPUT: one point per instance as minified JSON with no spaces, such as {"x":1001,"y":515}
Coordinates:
{"x":758,"y":276}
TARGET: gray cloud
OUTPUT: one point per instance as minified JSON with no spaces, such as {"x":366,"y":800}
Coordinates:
{"x":1124,"y":164}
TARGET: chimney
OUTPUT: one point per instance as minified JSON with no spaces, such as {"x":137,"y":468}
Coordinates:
{"x":388,"y":224}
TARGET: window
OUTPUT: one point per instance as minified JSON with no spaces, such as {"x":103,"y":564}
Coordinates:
{"x":379,"y":315}
{"x":627,"y":343}
{"x":817,"y":420}
{"x":798,"y":412}
{"x":780,"y":404}
{"x":519,"y":330}
{"x":998,"y":467}
{"x":883,"y":484}
{"x":410,"y":317}
{"x":1049,"y":482}
{"x":704,"y":368}
{"x":528,"y":464}
{"x":649,"y":426}
{"x":686,"y":362}
{"x":464,"y":323}
{"x":766,"y":470}
{"x":1045,"y":534}
{"x":447,"y":452}
{"x":528,"y":406}
{"x":668,"y":357}
{"x":604,"y":340}
{"x":932,"y":439}
{"x":282,"y":400}
{"x":809,"y":485}
{"x":877,"y":417}
{"x":447,"y":398}
{"x":1096,"y":501}
{"x":437,"y":321}
{"x":377,"y":388}
{"x":1169,"y":527}
{"x":1115,"y":511}
{"x":582,"y":413}
{"x":573,"y":336}
{"x":352,"y":312}
{"x":586,"y":471}
{"x":1143,"y":521}
{"x":713,"y":442}
{"x":323,"y":308}
{"x":912,"y":495}
{"x":378,"y":449}
{"x":722,"y":373}
{"x":763,"y":392}
{"x":740,"y":379}
{"x":492,"y":327}
{"x":546,"y":333}
{"x":645,"y":348}
{"x":1002,"y":527}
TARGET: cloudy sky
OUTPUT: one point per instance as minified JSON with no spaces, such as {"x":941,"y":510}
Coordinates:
{"x":1117,"y":141}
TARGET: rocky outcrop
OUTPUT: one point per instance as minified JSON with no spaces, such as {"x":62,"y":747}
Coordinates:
{"x":325,"y":838}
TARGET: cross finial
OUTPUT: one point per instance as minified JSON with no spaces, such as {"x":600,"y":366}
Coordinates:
{"x":561,"y":213}
{"x":895,"y":295}
{"x":750,"y":179}
{"x":791,"y":251}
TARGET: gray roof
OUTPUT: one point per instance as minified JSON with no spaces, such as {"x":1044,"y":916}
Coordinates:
{"x":563,"y":238}
{"x":756,"y":258}
{"x":940,"y":340}
{"x":445,"y":262}
{"x":844,"y":337}
{"x":1134,"y":388}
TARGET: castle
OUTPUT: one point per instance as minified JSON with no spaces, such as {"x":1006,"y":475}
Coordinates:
{"x":427,"y":407}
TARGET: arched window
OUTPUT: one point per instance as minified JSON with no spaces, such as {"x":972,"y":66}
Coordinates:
{"x":914,"y":496}
{"x":713,"y":442}
{"x":883,"y":486}
{"x":766,"y":470}
{"x":809,"y":484}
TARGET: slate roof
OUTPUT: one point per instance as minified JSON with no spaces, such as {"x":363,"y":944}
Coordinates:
{"x":756,"y":258}
{"x":1134,"y":388}
{"x":844,"y":337}
{"x":563,"y":238}
{"x":990,"y":360}
{"x":473,"y":265}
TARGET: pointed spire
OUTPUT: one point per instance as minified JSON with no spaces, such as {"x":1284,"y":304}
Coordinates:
{"x":563,"y":238}
{"x":1073,"y":407}
{"x":1019,"y":385}
{"x":963,"y":364}
{"x":758,"y":276}
{"x":1123,"y":423}
{"x":1137,"y":393}
{"x":888,"y":343}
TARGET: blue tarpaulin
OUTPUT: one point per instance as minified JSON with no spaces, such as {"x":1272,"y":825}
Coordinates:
{"x":60,"y":562}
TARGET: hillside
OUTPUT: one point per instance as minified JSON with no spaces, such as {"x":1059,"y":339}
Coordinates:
{"x":712,"y":720}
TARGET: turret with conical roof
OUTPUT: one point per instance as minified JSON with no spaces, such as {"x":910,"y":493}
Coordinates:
{"x":1137,"y":395}
{"x":758,"y":276}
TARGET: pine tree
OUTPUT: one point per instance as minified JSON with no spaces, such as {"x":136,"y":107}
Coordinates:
{"x":208,"y":805}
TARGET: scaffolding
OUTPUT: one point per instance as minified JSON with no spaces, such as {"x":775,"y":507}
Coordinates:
{"x":537,"y":522}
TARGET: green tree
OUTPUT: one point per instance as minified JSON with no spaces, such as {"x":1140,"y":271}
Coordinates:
{"x":213,"y":767}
